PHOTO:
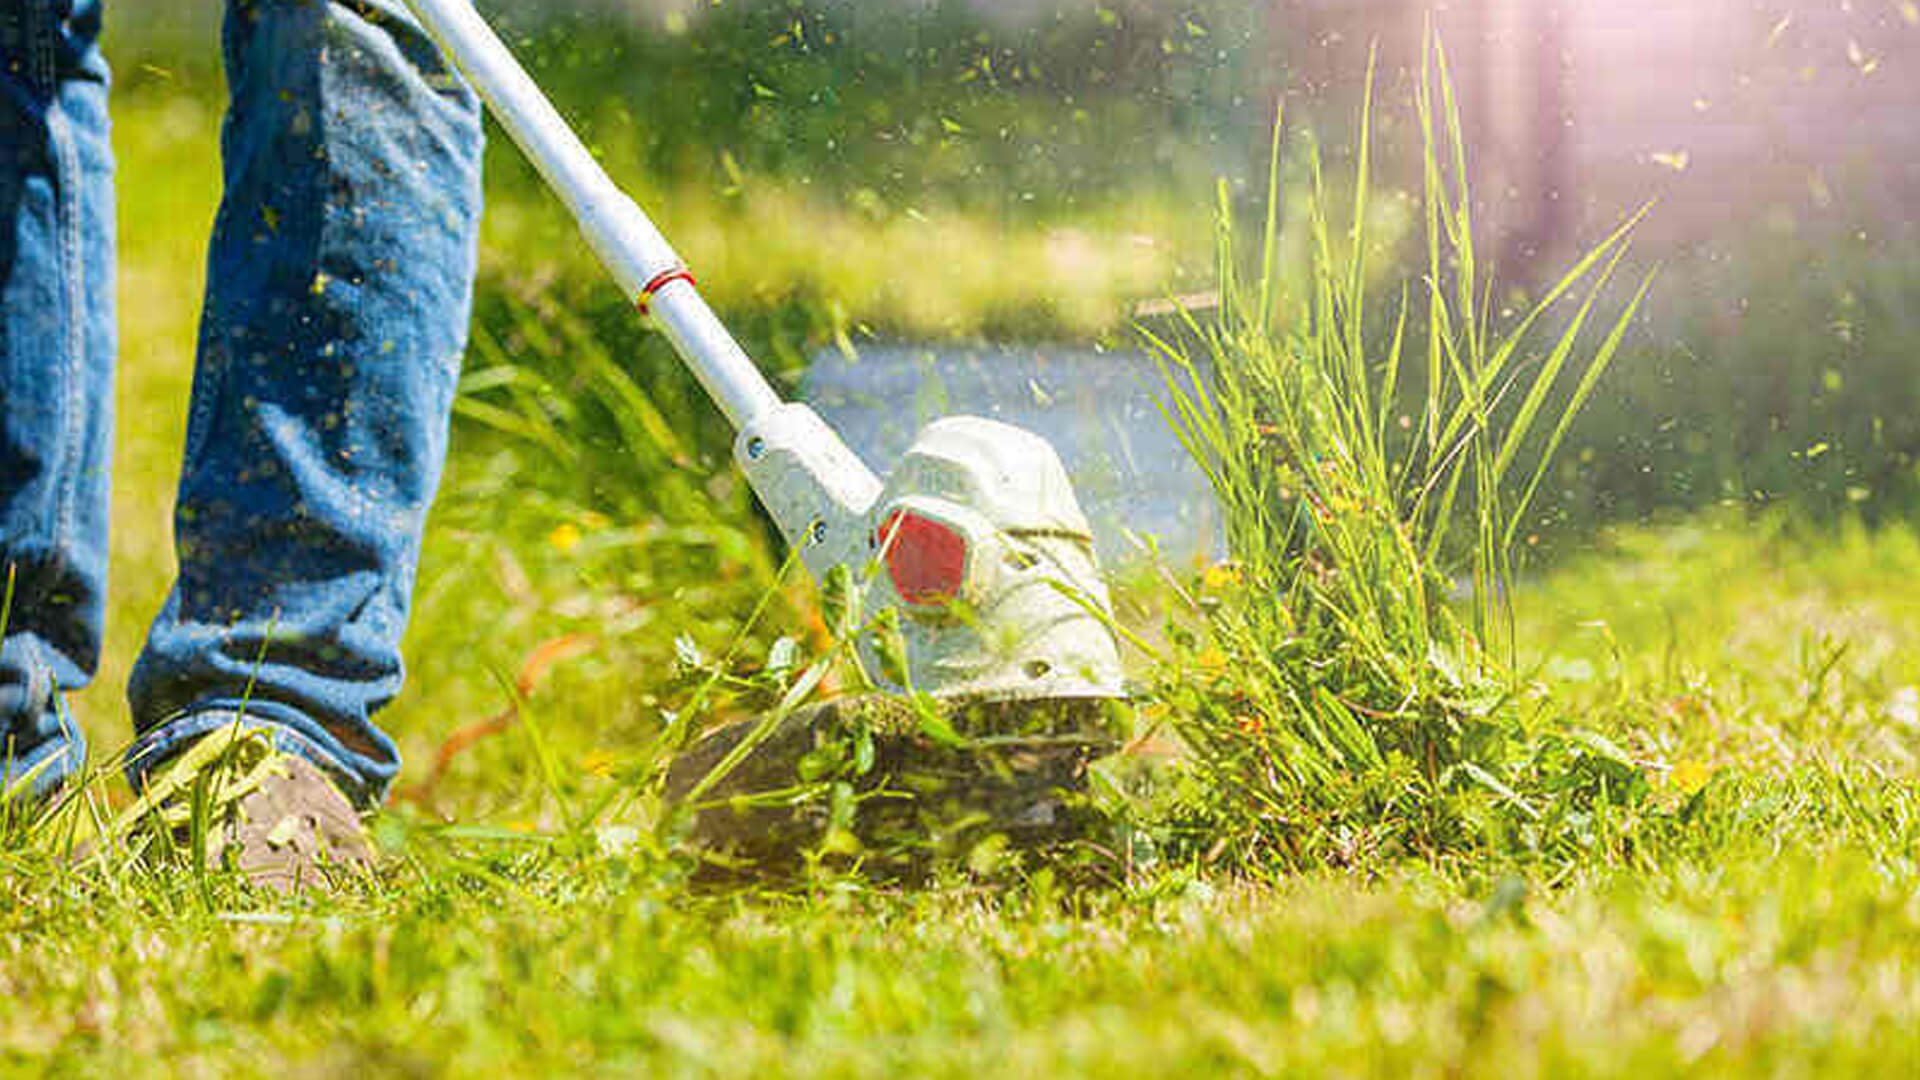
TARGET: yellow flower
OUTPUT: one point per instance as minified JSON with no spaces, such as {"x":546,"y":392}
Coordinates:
{"x":565,"y":537}
{"x":1219,"y":576}
{"x":1690,"y":776}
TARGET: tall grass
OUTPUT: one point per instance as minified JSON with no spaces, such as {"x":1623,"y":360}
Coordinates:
{"x":1340,"y":683}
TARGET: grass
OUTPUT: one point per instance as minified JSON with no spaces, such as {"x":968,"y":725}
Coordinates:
{"x":1350,"y":692}
{"x":1750,"y":911}
{"x":1773,"y":932}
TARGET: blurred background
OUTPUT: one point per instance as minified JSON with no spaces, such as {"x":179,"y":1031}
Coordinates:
{"x":1027,"y":170}
{"x":931,"y":179}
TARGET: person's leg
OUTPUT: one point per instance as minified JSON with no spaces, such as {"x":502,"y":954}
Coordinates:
{"x":339,"y":289}
{"x":56,"y":376}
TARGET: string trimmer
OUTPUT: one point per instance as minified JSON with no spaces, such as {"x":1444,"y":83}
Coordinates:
{"x":974,"y":541}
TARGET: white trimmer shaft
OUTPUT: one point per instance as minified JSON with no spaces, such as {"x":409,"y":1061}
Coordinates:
{"x":975,"y":540}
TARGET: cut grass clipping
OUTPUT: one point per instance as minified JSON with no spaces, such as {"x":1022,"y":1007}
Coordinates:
{"x":1338,"y":705}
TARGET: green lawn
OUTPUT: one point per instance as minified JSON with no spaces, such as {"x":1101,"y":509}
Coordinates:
{"x":1768,"y":926}
{"x":1757,"y":913}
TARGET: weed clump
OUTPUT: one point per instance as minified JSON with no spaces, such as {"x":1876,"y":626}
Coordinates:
{"x":1346,"y":686}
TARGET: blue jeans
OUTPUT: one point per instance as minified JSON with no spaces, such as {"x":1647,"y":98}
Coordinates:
{"x":339,"y":287}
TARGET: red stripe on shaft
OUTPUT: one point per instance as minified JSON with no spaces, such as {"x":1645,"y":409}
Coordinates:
{"x":660,"y":281}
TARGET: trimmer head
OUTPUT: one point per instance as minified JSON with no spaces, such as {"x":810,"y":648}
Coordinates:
{"x":974,"y":551}
{"x":975,"y":542}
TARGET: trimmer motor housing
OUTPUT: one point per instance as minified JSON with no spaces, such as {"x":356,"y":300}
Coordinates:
{"x":975,"y":541}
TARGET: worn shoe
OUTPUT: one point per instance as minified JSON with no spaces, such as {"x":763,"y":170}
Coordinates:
{"x":271,"y":816}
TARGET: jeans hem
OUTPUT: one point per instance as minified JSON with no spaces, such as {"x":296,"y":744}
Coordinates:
{"x":159,"y":745}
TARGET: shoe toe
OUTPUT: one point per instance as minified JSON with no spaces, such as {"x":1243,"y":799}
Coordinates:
{"x":296,"y":831}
